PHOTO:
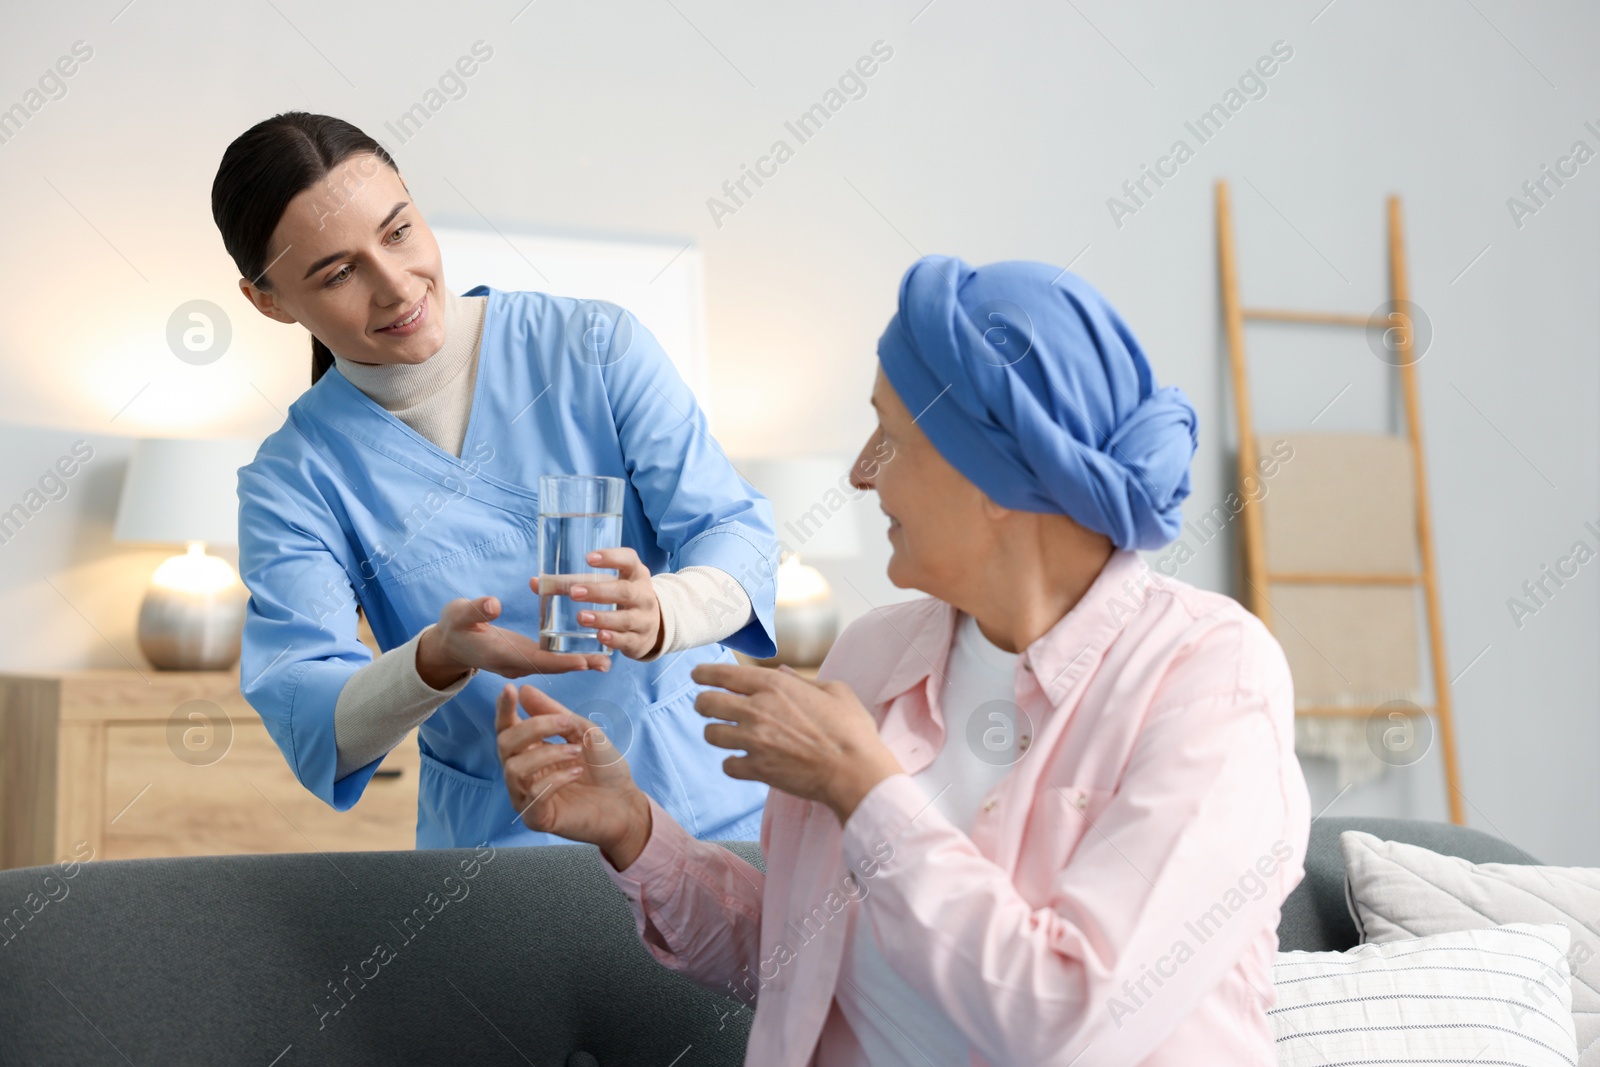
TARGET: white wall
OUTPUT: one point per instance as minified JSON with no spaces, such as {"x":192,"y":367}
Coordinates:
{"x":996,"y":131}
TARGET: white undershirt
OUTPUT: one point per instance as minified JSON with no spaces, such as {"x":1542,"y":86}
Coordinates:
{"x":895,"y":1025}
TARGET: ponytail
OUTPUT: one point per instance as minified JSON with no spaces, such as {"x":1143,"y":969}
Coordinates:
{"x":321,"y":359}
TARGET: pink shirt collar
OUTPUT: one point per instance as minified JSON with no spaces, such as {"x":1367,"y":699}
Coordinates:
{"x":1076,"y":641}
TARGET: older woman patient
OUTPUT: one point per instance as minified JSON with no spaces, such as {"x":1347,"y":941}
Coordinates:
{"x":1045,"y":815}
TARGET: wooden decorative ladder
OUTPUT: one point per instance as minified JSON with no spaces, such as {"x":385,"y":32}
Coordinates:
{"x":1257,"y":576}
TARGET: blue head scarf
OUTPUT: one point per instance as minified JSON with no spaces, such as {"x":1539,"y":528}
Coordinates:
{"x":1030,"y":384}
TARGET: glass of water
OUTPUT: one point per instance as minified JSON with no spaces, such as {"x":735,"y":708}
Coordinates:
{"x":578,"y":513}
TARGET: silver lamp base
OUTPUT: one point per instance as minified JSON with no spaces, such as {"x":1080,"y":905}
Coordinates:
{"x":186,"y":631}
{"x":805,"y":631}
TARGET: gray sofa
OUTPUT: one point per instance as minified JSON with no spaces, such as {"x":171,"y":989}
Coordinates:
{"x":530,"y":958}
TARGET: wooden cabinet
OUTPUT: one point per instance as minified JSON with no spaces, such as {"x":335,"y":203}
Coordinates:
{"x":167,"y":763}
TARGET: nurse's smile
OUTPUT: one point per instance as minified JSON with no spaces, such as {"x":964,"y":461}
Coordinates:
{"x":409,"y":323}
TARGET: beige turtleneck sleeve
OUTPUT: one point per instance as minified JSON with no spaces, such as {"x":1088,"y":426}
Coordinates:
{"x":382,"y":701}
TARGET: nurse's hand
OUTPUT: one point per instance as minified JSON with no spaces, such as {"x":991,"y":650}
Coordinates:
{"x":813,"y":740}
{"x":582,"y":789}
{"x":633,"y":626}
{"x":465,"y":638}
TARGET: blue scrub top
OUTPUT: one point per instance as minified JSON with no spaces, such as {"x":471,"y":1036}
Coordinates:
{"x":346,"y":504}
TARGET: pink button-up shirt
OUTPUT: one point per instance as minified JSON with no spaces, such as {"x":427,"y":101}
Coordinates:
{"x":1117,"y":899}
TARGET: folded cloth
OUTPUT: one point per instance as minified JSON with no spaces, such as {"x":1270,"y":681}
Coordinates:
{"x":1030,"y":384}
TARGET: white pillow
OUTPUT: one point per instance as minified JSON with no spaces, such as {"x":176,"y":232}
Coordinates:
{"x":1496,"y":996}
{"x":1396,"y":890}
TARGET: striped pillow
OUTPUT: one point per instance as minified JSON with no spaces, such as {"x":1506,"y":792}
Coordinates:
{"x":1494,"y":996}
{"x":1397,"y":890}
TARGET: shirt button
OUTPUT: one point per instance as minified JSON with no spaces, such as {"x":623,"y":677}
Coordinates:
{"x":1024,"y":741}
{"x":988,"y":805}
{"x":1080,"y":801}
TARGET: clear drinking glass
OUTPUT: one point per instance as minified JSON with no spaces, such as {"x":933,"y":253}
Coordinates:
{"x":578,"y":513}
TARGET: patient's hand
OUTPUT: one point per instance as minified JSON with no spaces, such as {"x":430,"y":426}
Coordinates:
{"x":581,"y":789}
{"x":813,"y":740}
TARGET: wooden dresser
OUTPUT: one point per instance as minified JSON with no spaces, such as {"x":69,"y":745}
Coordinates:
{"x":165,"y":763}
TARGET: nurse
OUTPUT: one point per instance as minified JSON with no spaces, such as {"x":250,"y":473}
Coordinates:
{"x":405,"y":481}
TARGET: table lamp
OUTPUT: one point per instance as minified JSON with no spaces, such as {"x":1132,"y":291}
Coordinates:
{"x":814,"y":513}
{"x":186,"y":492}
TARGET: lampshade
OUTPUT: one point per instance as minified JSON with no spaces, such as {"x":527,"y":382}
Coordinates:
{"x":813,"y":505}
{"x":181,"y":490}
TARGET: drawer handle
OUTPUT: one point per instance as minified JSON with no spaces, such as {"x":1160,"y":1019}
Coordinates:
{"x":388,"y":772}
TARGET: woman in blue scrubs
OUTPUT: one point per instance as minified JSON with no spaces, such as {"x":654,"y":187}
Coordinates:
{"x":433,"y":531}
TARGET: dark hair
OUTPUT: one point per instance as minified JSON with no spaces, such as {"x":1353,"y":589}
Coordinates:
{"x":266,"y":167}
